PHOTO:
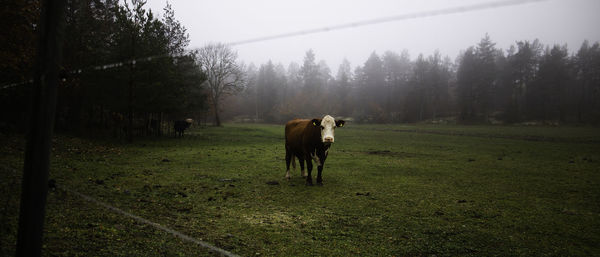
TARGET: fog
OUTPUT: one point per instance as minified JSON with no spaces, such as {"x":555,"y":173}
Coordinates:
{"x":405,"y":61}
{"x":552,"y":22}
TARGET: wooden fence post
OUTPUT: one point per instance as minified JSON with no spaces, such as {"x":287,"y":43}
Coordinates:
{"x":37,"y":154}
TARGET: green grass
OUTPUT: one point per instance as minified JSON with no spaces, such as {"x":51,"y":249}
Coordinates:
{"x":389,"y":190}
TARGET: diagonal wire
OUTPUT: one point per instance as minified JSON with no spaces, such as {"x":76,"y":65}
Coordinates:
{"x":409,"y":16}
{"x":175,"y":233}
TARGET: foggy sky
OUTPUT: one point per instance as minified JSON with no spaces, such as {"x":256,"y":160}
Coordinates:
{"x":552,"y":22}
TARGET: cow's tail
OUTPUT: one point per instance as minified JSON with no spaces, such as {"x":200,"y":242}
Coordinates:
{"x":293,"y":162}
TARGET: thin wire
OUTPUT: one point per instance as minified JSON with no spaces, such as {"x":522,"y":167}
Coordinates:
{"x":417,"y":15}
{"x":151,"y":223}
{"x":100,"y":67}
{"x":7,"y":86}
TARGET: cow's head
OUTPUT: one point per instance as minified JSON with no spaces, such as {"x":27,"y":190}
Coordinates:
{"x":327,"y":126}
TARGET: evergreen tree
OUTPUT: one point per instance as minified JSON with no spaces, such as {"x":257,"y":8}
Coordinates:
{"x":486,"y":83}
{"x":522,"y":71}
{"x":374,"y":88}
{"x":586,"y":89}
{"x":176,"y":34}
{"x":467,"y":80}
{"x":310,"y":72}
{"x":419,"y":90}
{"x":477,"y":81}
{"x":549,"y":90}
{"x":268,"y":86}
{"x":343,"y":87}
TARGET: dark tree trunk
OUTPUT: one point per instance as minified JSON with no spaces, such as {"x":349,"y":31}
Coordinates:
{"x":130,"y":98}
{"x":217,"y":118}
{"x":130,"y":107}
{"x":160,"y":119}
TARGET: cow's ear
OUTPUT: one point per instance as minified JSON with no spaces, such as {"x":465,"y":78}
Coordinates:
{"x":316,"y":122}
{"x":339,"y":123}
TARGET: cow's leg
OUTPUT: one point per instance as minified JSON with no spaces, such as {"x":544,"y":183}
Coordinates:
{"x":320,"y":169}
{"x":309,"y":167}
{"x":316,"y":158}
{"x":288,"y":159}
{"x":302,"y":171}
{"x":319,"y":178}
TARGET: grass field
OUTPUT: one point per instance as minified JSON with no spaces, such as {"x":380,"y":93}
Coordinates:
{"x":389,"y":190}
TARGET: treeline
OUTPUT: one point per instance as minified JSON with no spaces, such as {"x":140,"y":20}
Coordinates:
{"x":101,"y":88}
{"x":529,"y":82}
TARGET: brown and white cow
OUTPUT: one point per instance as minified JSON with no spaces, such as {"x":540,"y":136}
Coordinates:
{"x":309,"y":140}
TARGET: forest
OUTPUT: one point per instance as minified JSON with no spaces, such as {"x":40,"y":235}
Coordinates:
{"x":118,"y":59}
{"x":127,"y":72}
{"x":528,"y":83}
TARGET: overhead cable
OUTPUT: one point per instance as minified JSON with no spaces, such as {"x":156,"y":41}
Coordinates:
{"x":409,"y":16}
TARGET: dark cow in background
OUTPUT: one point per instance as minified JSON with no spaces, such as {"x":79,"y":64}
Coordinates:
{"x":181,"y":125}
{"x":309,"y":140}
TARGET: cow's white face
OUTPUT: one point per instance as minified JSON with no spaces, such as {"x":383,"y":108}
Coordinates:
{"x":328,"y":125}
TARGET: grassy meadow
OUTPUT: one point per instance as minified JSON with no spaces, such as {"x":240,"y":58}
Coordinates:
{"x":389,"y":190}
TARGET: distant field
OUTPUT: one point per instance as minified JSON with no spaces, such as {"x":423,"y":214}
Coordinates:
{"x":389,"y":190}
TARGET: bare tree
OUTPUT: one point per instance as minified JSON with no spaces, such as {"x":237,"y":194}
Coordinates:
{"x":224,"y":76}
